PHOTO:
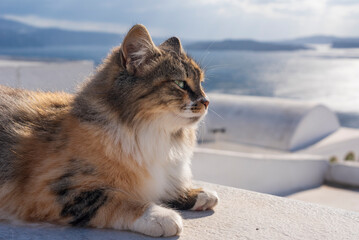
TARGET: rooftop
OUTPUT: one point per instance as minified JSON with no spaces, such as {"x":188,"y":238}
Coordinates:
{"x":241,"y":214}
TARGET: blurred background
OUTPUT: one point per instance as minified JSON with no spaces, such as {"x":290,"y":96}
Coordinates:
{"x":306,"y":50}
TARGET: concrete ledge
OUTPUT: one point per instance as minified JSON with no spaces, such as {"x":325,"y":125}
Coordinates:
{"x":240,"y":215}
{"x":331,"y":195}
{"x":279,"y":174}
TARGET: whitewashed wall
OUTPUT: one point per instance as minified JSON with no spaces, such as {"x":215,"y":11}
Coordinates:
{"x":345,"y":173}
{"x":267,"y":173}
{"x":46,"y":76}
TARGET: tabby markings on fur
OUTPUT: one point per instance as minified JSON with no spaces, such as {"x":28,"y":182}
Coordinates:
{"x":114,"y":155}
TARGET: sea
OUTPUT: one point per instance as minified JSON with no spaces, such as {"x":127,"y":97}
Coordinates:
{"x":322,"y":74}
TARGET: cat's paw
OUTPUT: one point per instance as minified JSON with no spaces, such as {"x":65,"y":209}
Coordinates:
{"x":205,"y":200}
{"x":159,"y":222}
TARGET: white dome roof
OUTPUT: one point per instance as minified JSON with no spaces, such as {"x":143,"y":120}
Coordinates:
{"x":267,"y":122}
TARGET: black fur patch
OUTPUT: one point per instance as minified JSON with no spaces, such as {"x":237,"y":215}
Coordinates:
{"x":83,"y":206}
{"x":80,"y":205}
{"x":183,"y":202}
{"x":62,"y":186}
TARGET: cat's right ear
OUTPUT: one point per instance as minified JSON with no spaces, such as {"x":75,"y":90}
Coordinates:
{"x":136,"y":48}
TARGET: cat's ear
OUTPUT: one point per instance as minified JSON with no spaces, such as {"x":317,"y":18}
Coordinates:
{"x":172,"y":44}
{"x":136,"y":48}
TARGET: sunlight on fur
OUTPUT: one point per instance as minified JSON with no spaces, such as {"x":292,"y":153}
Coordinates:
{"x":114,"y":155}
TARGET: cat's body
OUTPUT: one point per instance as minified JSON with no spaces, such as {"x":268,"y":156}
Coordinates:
{"x":111,"y":154}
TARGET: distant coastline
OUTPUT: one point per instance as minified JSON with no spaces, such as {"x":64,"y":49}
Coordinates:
{"x":345,"y":44}
{"x":16,"y":35}
{"x":245,"y":45}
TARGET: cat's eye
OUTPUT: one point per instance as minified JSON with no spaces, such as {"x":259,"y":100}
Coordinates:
{"x":181,"y":84}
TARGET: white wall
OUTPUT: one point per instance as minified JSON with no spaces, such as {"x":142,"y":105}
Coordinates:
{"x":52,"y":76}
{"x":338,"y":144}
{"x":344,"y":173}
{"x":267,"y":173}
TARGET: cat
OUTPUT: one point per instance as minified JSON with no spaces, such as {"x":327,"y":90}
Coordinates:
{"x":114,"y":155}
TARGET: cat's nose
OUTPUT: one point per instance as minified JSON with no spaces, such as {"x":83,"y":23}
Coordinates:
{"x":205,"y":102}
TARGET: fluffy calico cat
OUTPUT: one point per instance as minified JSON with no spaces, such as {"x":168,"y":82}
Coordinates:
{"x":116,"y":154}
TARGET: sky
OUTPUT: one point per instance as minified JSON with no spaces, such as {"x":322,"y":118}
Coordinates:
{"x":194,"y":19}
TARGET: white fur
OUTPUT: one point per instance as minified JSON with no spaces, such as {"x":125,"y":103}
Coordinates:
{"x":148,"y":142}
{"x":139,"y":56}
{"x":168,"y":180}
{"x":158,"y":222}
{"x":167,"y":160}
{"x":145,"y":47}
{"x":151,"y":144}
{"x":206,"y":200}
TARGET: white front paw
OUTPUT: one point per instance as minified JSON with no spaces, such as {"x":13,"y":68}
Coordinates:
{"x":158,"y":222}
{"x":205,"y":200}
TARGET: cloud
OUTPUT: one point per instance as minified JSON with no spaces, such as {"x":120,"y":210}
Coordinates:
{"x":200,"y":19}
{"x":342,"y":2}
{"x":76,"y":25}
{"x":67,"y":24}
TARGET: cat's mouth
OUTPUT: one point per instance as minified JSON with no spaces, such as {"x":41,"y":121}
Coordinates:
{"x":194,"y":119}
{"x":192,"y":116}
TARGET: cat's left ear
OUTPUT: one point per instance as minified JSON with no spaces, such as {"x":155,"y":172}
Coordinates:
{"x":172,"y":44}
{"x":136,"y":48}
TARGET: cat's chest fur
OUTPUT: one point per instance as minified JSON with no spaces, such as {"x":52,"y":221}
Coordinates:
{"x":167,"y":159}
{"x":164,"y":153}
{"x":171,"y":175}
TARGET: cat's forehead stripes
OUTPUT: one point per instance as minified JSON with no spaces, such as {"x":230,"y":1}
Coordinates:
{"x":166,"y":69}
{"x":175,"y":68}
{"x":198,"y":73}
{"x":194,"y":75}
{"x":192,"y":70}
{"x":182,"y":62}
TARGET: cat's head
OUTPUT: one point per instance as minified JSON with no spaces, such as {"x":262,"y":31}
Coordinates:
{"x":148,"y":82}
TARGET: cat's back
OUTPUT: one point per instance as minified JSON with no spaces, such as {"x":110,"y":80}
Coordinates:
{"x":24,"y":112}
{"x":10,"y":98}
{"x":13,"y":107}
{"x":18,"y":105}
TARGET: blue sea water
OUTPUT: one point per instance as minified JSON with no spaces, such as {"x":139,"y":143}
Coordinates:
{"x":327,"y":76}
{"x":323,"y":75}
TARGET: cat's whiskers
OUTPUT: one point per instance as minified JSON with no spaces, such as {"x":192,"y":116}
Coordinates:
{"x":219,"y":66}
{"x":216,"y":113}
{"x":203,"y":58}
